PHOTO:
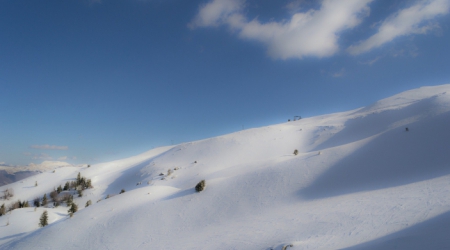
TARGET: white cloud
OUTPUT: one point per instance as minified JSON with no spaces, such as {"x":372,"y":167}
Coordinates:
{"x":408,"y":21}
{"x":311,"y":33}
{"x":52,"y":147}
{"x":216,"y":12}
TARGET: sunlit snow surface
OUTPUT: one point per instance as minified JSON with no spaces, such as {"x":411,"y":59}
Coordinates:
{"x":360,"y":181}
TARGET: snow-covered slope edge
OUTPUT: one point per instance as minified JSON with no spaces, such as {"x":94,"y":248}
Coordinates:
{"x":360,"y":181}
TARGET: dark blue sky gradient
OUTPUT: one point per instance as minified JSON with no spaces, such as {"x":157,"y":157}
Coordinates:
{"x":116,"y":78}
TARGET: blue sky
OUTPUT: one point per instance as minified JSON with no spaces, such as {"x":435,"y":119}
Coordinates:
{"x":86,"y":81}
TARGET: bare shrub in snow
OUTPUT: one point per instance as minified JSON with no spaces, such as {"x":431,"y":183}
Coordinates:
{"x":54,"y":196}
{"x":88,"y":203}
{"x":200,"y":186}
{"x":296,"y":152}
{"x":169,"y":172}
{"x":2,"y":210}
{"x":8,"y":193}
{"x":286,"y":246}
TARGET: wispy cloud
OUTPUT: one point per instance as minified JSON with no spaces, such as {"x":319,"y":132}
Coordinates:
{"x":311,"y":33}
{"x":371,"y":62}
{"x":51,"y":147}
{"x":339,"y":73}
{"x":416,"y":19}
{"x":41,"y":157}
{"x":62,"y":158}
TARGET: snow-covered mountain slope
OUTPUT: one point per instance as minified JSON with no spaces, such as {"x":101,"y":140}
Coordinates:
{"x":372,"y":178}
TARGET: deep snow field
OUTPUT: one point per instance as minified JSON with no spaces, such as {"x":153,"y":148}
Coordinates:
{"x":359,"y":181}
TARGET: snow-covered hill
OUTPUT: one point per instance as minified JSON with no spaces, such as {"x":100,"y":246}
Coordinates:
{"x":377,"y":177}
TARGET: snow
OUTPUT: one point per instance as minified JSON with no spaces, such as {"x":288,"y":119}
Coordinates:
{"x":360,"y":181}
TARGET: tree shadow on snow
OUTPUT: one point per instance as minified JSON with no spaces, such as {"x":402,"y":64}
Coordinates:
{"x":392,"y":159}
{"x":430,"y":234}
{"x":180,"y":194}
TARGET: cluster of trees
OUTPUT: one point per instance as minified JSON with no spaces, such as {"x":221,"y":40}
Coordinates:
{"x":12,"y":206}
{"x":81,"y":183}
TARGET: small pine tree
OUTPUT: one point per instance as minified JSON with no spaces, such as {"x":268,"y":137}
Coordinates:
{"x":37,"y":202}
{"x":78,"y":178}
{"x":35,"y":184}
{"x":200,"y":186}
{"x":59,"y":189}
{"x":26,"y":204}
{"x":296,"y":152}
{"x":66,"y":186}
{"x":122,"y":191}
{"x":69,"y":200}
{"x":44,"y":200}
{"x":73,"y":208}
{"x":43,"y":221}
{"x":88,"y":203}
{"x":80,"y":193}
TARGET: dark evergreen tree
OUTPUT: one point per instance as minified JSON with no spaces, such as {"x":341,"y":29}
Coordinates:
{"x":80,"y":193}
{"x":200,"y":186}
{"x":43,"y":221}
{"x":44,"y":200}
{"x":122,"y":191}
{"x":66,"y":186}
{"x":73,"y":209}
{"x":59,"y":189}
{"x":37,"y":202}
